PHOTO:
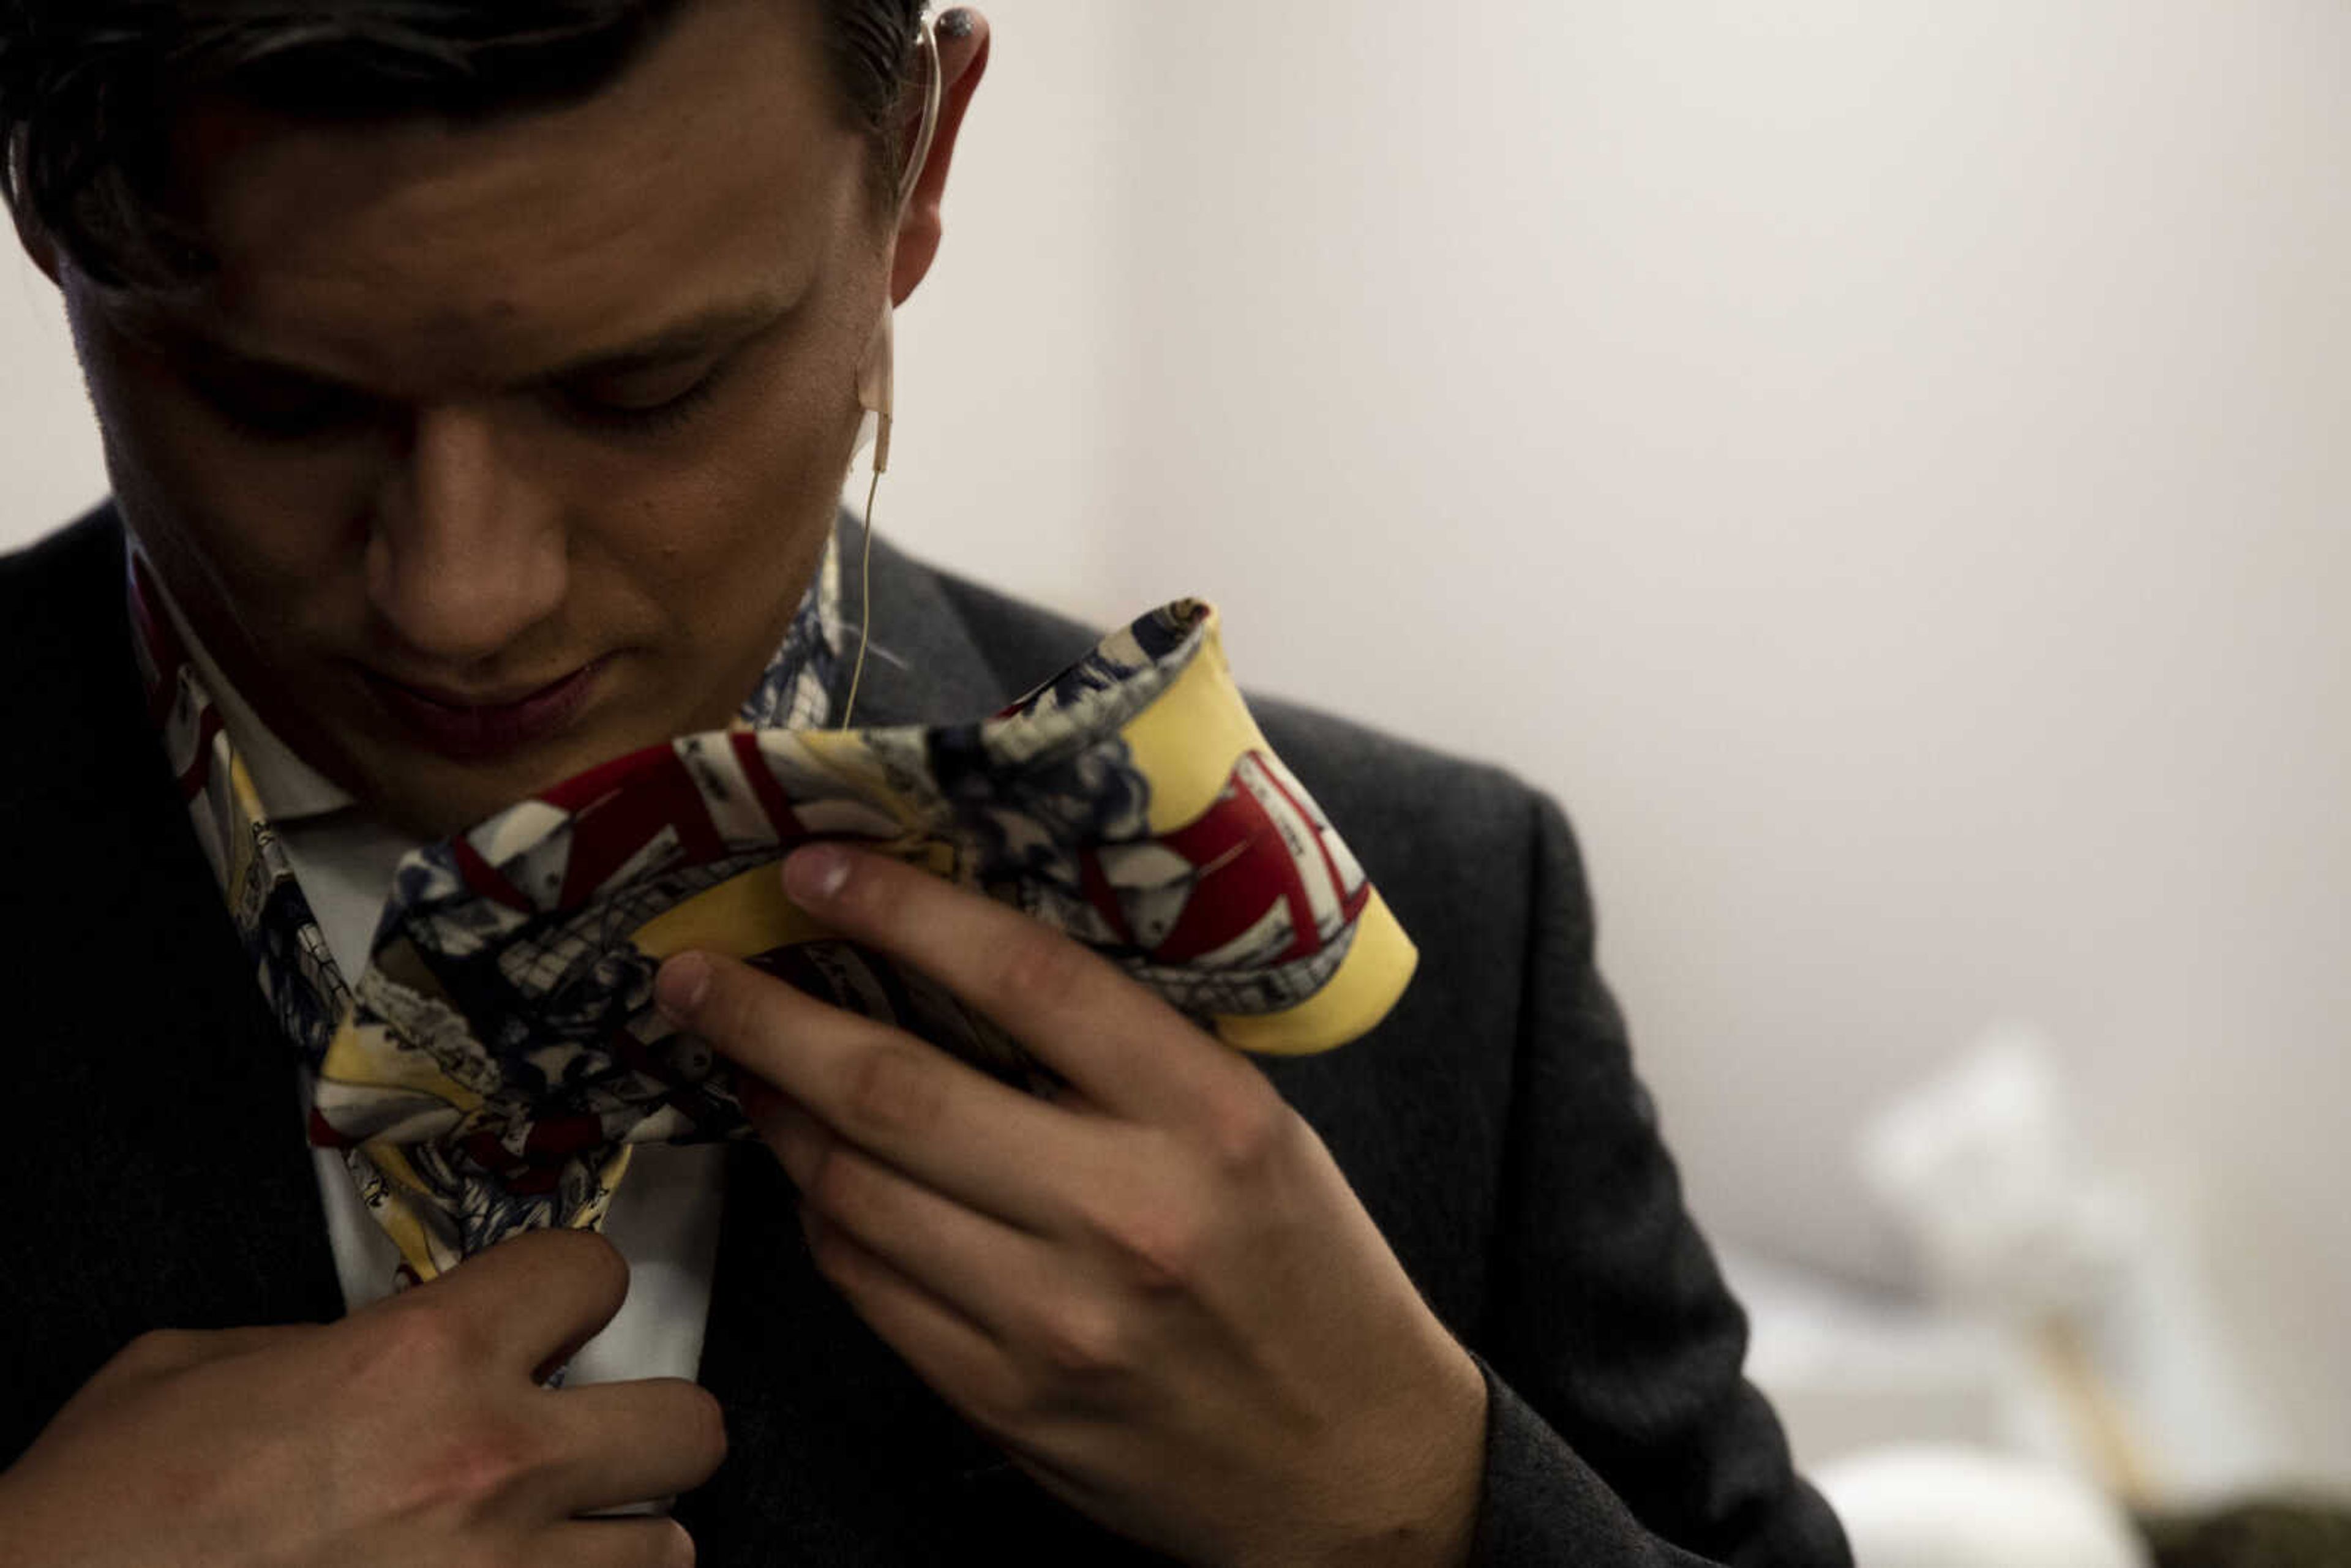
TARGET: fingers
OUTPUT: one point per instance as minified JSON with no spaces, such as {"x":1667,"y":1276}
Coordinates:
{"x":535,"y":1298}
{"x":983,"y":1267}
{"x":1122,"y":1047}
{"x":620,"y":1543}
{"x":946,"y":1348}
{"x":946,"y":1123}
{"x":633,"y":1442}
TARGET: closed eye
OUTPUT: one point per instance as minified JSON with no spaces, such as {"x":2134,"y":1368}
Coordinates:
{"x":278,"y":404}
{"x":646,"y":407}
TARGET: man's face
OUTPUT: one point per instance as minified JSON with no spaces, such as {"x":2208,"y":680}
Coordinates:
{"x":493,"y":452}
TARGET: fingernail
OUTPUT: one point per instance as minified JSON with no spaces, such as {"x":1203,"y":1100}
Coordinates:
{"x":816,"y":873}
{"x":955,"y":24}
{"x":678,"y":988}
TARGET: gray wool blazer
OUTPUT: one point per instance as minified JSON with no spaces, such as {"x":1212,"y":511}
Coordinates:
{"x":154,"y":1175}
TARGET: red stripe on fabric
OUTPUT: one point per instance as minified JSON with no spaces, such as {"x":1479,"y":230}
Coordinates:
{"x":772,"y":801}
{"x":696,"y":833}
{"x":583,"y":791}
{"x":615,"y":828}
{"x":199,"y":771}
{"x":1305,"y":939}
{"x":1245,"y":869}
{"x":158,"y":637}
{"x":484,"y":878}
{"x":1102,"y":896}
{"x":323,"y":1134}
{"x":1351,"y":904}
{"x":555,"y":1137}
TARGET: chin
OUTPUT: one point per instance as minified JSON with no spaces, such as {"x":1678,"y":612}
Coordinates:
{"x":432,"y":798}
{"x":441,"y":809}
{"x":432,"y":793}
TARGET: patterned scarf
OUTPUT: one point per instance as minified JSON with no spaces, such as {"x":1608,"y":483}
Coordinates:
{"x":494,"y":1064}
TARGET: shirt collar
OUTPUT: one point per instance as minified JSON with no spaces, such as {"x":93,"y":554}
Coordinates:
{"x":291,"y":790}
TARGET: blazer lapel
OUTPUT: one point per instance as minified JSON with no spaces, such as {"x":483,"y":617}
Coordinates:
{"x":921,"y":664}
{"x":170,"y":1177}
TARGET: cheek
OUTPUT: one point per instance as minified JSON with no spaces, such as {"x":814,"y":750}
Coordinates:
{"x":748,"y":509}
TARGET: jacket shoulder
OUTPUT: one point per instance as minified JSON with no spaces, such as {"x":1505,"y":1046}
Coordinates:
{"x":61,"y":595}
{"x":72,"y":687}
{"x":1433,"y":807}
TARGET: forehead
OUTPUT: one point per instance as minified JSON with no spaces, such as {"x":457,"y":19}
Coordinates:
{"x":419,"y":251}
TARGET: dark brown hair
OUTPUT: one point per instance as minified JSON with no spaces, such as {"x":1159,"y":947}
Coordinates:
{"x":90,"y":89}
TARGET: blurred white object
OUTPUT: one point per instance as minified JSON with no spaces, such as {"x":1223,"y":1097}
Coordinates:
{"x":1985,"y":1171}
{"x":1849,"y":1370}
{"x":1941,"y":1507}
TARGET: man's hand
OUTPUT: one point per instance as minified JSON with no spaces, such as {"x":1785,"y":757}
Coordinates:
{"x":413,"y":1432}
{"x":1158,"y":1291}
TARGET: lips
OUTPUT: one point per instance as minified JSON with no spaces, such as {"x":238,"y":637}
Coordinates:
{"x":471,"y":730}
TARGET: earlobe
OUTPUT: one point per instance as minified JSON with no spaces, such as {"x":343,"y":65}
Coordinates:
{"x":876,"y":389}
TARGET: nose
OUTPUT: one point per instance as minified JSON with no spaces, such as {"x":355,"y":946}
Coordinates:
{"x":465,"y":552}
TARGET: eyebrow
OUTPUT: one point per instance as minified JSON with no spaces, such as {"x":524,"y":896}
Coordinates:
{"x":720,"y":327}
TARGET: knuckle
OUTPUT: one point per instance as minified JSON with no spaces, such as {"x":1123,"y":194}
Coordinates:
{"x":429,"y":1335}
{"x":1040,"y":970}
{"x":474,"y":1469}
{"x":891,"y":1089}
{"x":1158,"y":1247}
{"x":1245,"y":1131}
{"x":423,"y":1339}
{"x":733,"y":1008}
{"x":677,"y":1547}
{"x":1002,"y":1400}
{"x":836,"y":1183}
{"x":1081,"y":1344}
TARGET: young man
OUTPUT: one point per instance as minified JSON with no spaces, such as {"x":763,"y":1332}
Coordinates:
{"x":477,"y":381}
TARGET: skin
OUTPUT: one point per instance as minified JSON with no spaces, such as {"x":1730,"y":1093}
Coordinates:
{"x":411,"y":1432}
{"x":1158,"y":1291}
{"x":443,"y":518}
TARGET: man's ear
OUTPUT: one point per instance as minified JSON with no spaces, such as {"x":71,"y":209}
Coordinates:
{"x":962,"y":36}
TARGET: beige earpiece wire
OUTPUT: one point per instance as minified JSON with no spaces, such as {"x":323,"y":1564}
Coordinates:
{"x":934,"y":92}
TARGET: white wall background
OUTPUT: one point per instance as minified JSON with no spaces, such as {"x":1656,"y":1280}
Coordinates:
{"x":1884,"y":464}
